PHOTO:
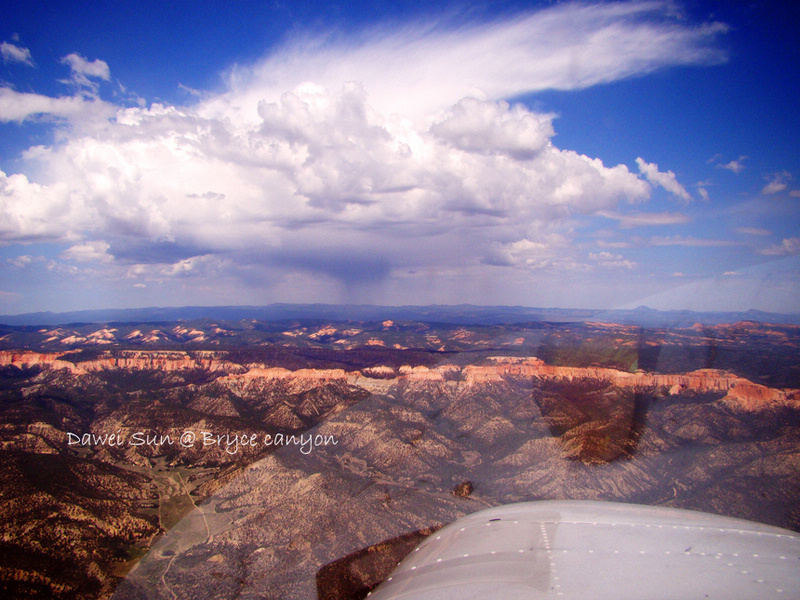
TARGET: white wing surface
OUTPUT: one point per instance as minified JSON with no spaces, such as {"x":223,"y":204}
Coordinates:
{"x":598,"y":551}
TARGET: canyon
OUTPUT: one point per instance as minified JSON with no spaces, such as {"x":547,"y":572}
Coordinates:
{"x":739,"y":392}
{"x":162,"y":468}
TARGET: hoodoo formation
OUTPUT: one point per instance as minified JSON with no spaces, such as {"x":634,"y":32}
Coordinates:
{"x":740,"y":392}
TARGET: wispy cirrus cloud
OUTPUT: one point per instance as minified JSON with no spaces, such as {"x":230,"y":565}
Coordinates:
{"x":778,"y":182}
{"x":787,"y":247}
{"x":735,"y":166}
{"x":643,"y":219}
{"x":12,"y":53}
{"x":692,"y":242}
{"x":753,"y":231}
{"x":566,"y":47}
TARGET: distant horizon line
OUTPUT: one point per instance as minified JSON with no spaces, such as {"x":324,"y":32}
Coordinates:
{"x":374,"y":305}
{"x":455,"y":313}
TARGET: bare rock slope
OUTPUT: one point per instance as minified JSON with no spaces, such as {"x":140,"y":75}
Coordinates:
{"x":503,"y":427}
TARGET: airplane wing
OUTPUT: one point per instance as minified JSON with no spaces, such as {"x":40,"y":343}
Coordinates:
{"x":576,"y":550}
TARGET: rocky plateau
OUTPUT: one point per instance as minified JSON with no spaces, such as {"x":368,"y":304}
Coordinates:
{"x":142,"y":461}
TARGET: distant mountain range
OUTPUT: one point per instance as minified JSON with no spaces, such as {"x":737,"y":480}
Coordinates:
{"x":462,"y":314}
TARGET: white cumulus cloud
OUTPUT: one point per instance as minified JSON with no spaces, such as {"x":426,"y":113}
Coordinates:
{"x":667,"y":180}
{"x":494,"y":128}
{"x":82,"y":67}
{"x":609,"y":260}
{"x":22,"y":106}
{"x":92,"y":251}
{"x":351,"y":158}
{"x":35,"y":212}
{"x":84,"y":72}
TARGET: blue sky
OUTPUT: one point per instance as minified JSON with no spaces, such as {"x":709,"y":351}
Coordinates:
{"x":531,"y":153}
